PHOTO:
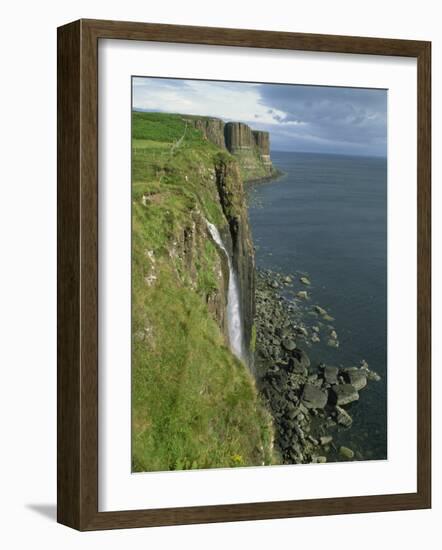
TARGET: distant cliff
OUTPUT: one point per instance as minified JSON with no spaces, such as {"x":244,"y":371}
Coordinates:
{"x":250,"y":147}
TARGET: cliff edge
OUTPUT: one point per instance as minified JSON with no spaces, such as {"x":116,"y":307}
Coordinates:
{"x":251,"y":148}
{"x":195,"y":405}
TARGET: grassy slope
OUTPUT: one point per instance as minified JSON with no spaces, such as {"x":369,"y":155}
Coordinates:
{"x":194,"y":404}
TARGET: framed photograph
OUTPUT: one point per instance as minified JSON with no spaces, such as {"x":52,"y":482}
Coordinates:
{"x":243,"y":275}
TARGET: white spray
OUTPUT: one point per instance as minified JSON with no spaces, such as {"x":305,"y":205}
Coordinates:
{"x":233,"y":302}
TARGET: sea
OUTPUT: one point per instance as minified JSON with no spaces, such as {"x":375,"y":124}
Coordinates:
{"x":326,"y":218}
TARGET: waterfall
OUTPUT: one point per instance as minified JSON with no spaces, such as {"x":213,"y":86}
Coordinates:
{"x":234,"y":323}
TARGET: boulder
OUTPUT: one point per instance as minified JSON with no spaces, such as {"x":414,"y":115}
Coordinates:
{"x":299,"y":356}
{"x":344,"y":394}
{"x":302,"y":294}
{"x":320,"y":310}
{"x":331,"y":375}
{"x":288,"y":344}
{"x":343,"y":418}
{"x":357,"y":379}
{"x":325,"y":439}
{"x":305,"y":280}
{"x":313,"y":397}
{"x":346,"y":452}
{"x":332,"y":343}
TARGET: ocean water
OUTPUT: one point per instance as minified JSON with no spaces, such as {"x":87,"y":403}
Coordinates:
{"x":327,"y":218}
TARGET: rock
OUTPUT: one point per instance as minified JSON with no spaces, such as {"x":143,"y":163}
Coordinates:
{"x":302,"y":331}
{"x":325,"y":439}
{"x":357,"y":379}
{"x":288,"y":344}
{"x":299,"y":355}
{"x":328,"y":317}
{"x":331,"y":375}
{"x":344,"y":394}
{"x":302,"y":294}
{"x":315,"y":329}
{"x":346,"y":452}
{"x":287,"y":280}
{"x":332,"y":343}
{"x":313,"y":397}
{"x":343,"y":418}
{"x":373,"y":376}
{"x":305,"y":280}
{"x":320,"y":310}
{"x":315,"y":338}
{"x":334,"y":335}
{"x":321,"y":459}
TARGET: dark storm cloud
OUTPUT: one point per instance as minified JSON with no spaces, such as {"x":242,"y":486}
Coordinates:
{"x":318,"y":118}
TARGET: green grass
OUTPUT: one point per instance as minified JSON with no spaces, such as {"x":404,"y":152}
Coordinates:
{"x":194,"y":405}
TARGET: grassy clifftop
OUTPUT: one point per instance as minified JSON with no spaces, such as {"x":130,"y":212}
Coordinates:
{"x":194,"y":404}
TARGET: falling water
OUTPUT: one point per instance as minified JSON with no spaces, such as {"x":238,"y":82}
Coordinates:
{"x":233,"y":303}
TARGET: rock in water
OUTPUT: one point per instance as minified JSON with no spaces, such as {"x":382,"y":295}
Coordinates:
{"x":302,"y":294}
{"x":357,"y":379}
{"x":346,"y":452}
{"x":344,"y":394}
{"x":343,"y":418}
{"x":320,"y":310}
{"x":313,"y":397}
{"x":305,"y":280}
{"x":331,"y":375}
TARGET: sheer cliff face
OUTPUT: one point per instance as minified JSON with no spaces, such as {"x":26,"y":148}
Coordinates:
{"x":239,"y":238}
{"x":250,"y":147}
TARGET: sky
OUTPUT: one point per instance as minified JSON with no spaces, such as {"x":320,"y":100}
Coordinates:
{"x":316,"y":119}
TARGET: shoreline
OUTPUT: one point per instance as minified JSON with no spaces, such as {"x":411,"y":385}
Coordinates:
{"x":278,"y":174}
{"x":308,"y":402}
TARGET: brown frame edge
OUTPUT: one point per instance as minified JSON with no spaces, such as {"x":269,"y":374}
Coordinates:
{"x":77,"y":279}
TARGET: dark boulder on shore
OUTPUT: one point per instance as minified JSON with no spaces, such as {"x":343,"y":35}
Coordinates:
{"x":343,"y":394}
{"x":331,"y":375}
{"x":313,"y":397}
{"x":357,"y":378}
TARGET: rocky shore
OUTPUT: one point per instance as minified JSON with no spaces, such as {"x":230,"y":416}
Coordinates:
{"x":307,"y":401}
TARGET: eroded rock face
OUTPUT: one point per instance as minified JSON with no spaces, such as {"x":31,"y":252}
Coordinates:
{"x":188,"y":247}
{"x":239,"y":240}
{"x":212,"y":129}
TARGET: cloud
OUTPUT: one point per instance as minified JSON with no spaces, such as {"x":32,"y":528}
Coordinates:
{"x":299,"y":118}
{"x":335,"y":119}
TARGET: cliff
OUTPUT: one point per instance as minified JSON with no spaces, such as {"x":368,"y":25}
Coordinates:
{"x":251,"y":148}
{"x":194,"y":403}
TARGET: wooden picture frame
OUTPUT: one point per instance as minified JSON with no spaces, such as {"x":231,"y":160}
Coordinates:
{"x":78,"y":274}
